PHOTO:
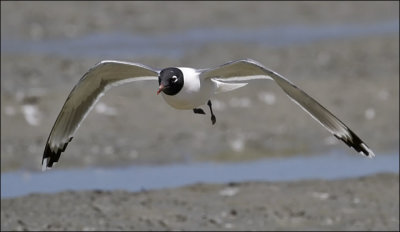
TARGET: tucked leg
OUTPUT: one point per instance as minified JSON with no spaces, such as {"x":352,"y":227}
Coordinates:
{"x":198,"y":111}
{"x":213,"y":119}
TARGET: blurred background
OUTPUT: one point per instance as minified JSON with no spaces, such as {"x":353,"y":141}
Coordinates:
{"x":344,"y":54}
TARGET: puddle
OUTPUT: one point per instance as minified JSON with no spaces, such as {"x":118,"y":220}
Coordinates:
{"x":334,"y":165}
{"x":119,"y":45}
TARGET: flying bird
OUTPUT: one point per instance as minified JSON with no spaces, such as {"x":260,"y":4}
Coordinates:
{"x":182,"y":88}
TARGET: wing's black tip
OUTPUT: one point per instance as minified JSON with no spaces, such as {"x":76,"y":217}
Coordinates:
{"x":52,"y":156}
{"x":355,"y":142}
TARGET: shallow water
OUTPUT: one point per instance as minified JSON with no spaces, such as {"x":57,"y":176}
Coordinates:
{"x":334,"y":165}
{"x":118,"y":45}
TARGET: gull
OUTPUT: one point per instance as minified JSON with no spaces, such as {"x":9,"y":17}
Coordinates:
{"x":182,"y":88}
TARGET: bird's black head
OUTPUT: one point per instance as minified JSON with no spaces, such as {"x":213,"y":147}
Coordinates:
{"x":170,"y":81}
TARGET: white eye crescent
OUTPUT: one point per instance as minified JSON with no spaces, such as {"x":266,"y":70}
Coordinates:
{"x":174,"y":78}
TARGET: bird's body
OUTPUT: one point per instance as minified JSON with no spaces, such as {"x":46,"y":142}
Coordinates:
{"x":195,"y":92}
{"x":182,"y":88}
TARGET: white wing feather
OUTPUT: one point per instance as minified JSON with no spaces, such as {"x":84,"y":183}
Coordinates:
{"x":245,"y":70}
{"x":83,"y":97}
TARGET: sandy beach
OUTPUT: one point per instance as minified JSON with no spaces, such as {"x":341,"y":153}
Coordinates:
{"x":352,"y":204}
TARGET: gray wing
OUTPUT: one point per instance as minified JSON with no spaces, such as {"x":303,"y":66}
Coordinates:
{"x":244,"y":70}
{"x":82,"y":98}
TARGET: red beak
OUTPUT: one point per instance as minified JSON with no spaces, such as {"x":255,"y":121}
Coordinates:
{"x":160,"y":89}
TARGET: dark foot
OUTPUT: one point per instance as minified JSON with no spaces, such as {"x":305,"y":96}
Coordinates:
{"x":198,"y":111}
{"x":213,"y":119}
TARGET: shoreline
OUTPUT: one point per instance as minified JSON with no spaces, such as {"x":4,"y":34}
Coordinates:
{"x":366,"y":203}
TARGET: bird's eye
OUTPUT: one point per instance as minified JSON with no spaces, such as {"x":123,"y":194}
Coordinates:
{"x":174,"y":78}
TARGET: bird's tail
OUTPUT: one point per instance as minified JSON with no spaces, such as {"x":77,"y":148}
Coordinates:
{"x":225,"y":87}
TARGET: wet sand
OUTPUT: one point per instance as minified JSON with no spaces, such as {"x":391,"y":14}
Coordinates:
{"x":357,"y":79}
{"x":367,"y":203}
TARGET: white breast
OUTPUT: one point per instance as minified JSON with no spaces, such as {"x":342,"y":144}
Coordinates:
{"x":195,"y":91}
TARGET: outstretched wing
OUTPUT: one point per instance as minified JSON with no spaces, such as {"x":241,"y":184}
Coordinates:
{"x":244,"y":70}
{"x":82,"y":98}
